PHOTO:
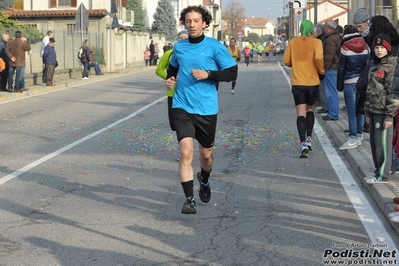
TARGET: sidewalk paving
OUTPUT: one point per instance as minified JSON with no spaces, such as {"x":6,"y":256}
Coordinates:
{"x":361,"y":161}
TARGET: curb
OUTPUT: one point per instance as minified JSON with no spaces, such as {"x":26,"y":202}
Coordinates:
{"x":42,"y":88}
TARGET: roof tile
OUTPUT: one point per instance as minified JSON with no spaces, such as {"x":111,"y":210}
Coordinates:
{"x":12,"y":12}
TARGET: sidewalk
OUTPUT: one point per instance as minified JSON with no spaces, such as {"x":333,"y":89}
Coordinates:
{"x":60,"y":84}
{"x":361,"y":161}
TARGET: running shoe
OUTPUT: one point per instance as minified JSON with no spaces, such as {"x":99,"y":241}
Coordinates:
{"x":303,"y":150}
{"x":233,"y":92}
{"x":189,"y":206}
{"x":309,"y":143}
{"x":204,"y":190}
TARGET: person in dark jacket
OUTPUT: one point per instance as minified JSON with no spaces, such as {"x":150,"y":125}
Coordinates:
{"x":16,"y":51}
{"x":152,"y":50}
{"x":331,"y":47}
{"x":377,"y":25}
{"x":319,"y":33}
{"x":50,"y":60}
{"x":3,"y":55}
{"x":85,"y":59}
{"x":381,"y":107}
{"x":352,"y":60}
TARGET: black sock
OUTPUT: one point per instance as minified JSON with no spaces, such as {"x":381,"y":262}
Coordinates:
{"x":233,"y":84}
{"x":188,"y":188}
{"x":301,"y":125}
{"x":205,"y":175}
{"x":309,"y":123}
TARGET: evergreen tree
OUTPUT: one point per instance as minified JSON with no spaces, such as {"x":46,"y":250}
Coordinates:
{"x":137,"y":7}
{"x":4,"y":4}
{"x":164,"y":20}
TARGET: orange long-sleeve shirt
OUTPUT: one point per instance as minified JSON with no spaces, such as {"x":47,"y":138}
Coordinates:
{"x":305,"y":56}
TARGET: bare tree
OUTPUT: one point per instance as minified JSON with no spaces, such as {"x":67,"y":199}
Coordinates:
{"x":234,"y":18}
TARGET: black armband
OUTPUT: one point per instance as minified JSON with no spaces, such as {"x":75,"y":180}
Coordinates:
{"x":227,"y":75}
{"x":172,"y":72}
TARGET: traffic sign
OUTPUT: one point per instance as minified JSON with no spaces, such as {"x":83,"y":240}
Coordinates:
{"x":82,"y":17}
{"x":300,"y":4}
{"x":299,"y":14}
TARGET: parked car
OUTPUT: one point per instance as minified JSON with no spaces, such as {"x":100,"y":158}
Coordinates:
{"x":278,"y":49}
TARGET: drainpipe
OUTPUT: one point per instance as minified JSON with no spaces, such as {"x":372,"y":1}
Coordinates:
{"x":372,"y":8}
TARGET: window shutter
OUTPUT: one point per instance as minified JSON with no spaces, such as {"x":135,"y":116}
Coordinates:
{"x":74,"y":3}
{"x":123,"y":3}
{"x":53,"y":3}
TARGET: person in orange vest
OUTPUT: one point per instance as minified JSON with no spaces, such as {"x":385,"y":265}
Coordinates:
{"x":236,"y":54}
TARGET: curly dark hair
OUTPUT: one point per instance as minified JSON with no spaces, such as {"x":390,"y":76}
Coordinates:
{"x":206,"y":15}
{"x":381,"y":24}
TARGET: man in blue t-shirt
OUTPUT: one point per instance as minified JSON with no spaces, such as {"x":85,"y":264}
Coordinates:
{"x":199,"y":63}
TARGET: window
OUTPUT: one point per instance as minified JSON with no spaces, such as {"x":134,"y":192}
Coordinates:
{"x":175,"y":4}
{"x":63,"y":3}
{"x":73,"y":30}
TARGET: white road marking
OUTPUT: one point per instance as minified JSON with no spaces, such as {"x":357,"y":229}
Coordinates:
{"x":370,"y":220}
{"x":73,"y":144}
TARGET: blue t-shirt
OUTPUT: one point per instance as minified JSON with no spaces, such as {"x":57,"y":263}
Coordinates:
{"x":198,"y":96}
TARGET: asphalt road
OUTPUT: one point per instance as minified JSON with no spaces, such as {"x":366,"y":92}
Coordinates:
{"x":89,"y":177}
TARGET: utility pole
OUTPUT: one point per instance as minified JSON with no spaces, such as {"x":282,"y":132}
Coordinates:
{"x":221,"y":22}
{"x":315,"y":12}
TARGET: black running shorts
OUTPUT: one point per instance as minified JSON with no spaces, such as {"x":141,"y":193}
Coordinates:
{"x":305,"y":94}
{"x":199,"y":127}
{"x":170,"y":114}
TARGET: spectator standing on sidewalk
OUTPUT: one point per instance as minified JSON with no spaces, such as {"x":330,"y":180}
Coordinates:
{"x":23,"y":71}
{"x":331,"y":47}
{"x":44,"y":43}
{"x":200,"y":63}
{"x":361,"y":22}
{"x":152,"y":50}
{"x":156,"y":55}
{"x":352,"y":60}
{"x":381,"y":107}
{"x":3,"y":55}
{"x":85,"y":60}
{"x":50,"y":60}
{"x":304,"y":55}
{"x":16,"y":52}
{"x":147,"y":56}
{"x":319,"y":33}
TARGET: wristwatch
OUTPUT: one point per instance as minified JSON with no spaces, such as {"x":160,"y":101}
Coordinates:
{"x":209,"y":73}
